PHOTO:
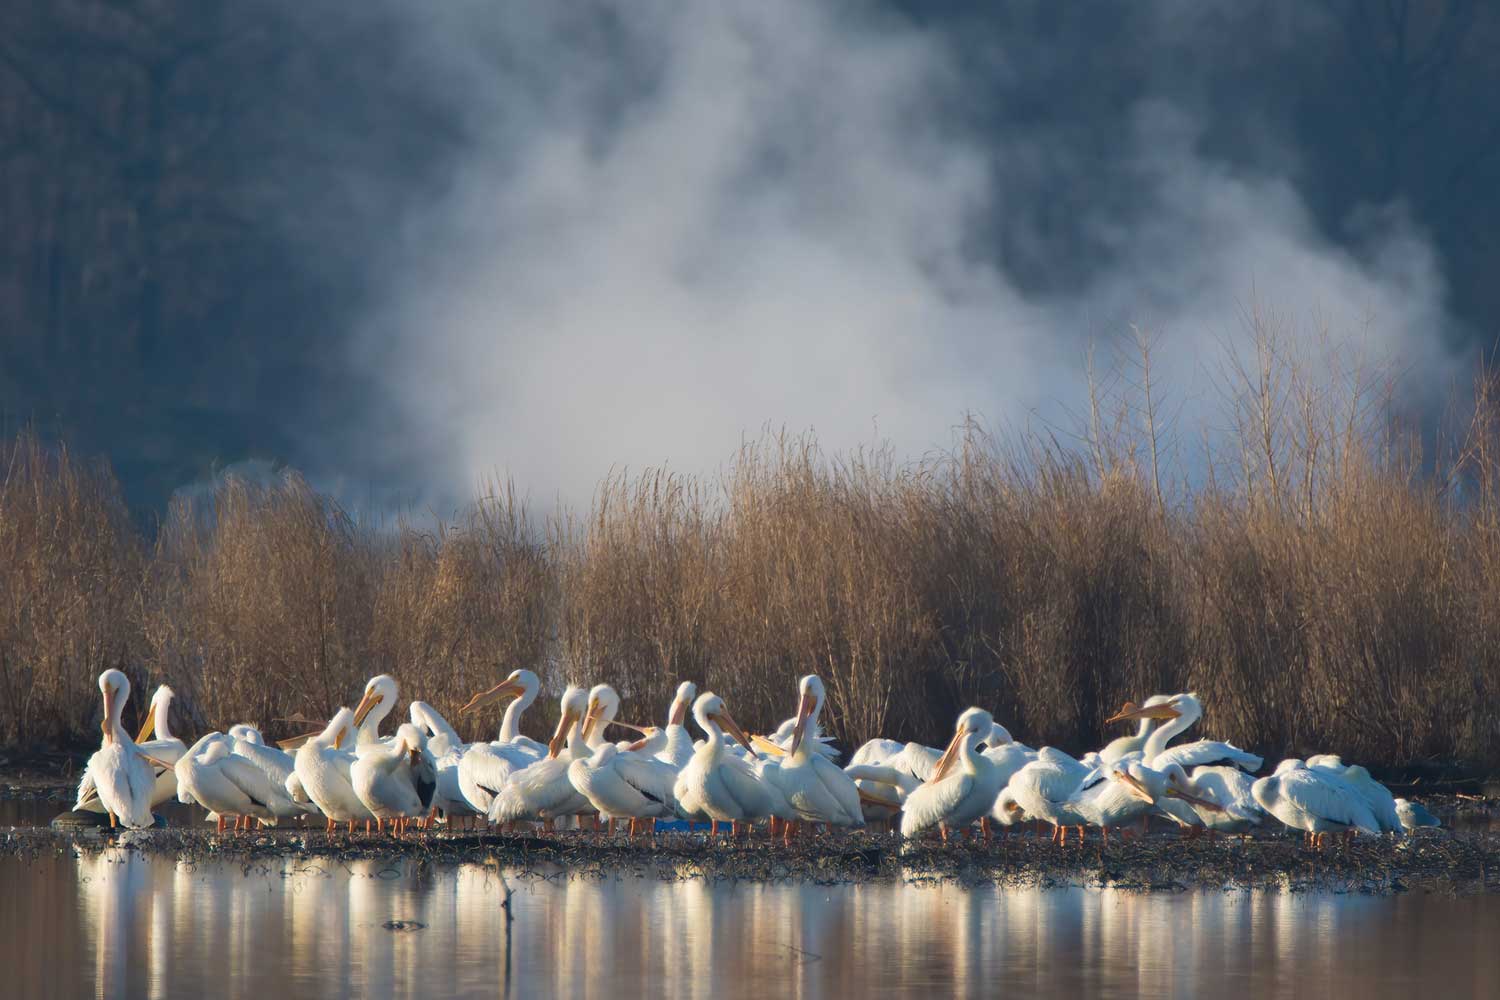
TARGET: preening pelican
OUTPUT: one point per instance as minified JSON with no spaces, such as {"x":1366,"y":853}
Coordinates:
{"x":166,"y":749}
{"x":1234,"y":809}
{"x":1048,"y":787}
{"x":124,"y":778}
{"x":323,"y":770}
{"x":815,"y":788}
{"x":396,"y":783}
{"x":957,"y":797}
{"x":447,"y":751}
{"x":1177,"y":714}
{"x":484,"y":768}
{"x":1317,"y":803}
{"x":275,"y":763}
{"x":542,"y":790}
{"x":378,"y":700}
{"x":679,"y":742}
{"x":227,"y":784}
{"x":716,"y":783}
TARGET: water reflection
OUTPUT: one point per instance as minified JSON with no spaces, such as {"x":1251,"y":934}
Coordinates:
{"x":119,"y":924}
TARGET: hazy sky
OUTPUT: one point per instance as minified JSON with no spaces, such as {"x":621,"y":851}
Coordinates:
{"x":407,"y":247}
{"x":675,"y":224}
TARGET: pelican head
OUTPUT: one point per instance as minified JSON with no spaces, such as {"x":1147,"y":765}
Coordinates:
{"x":380,"y":693}
{"x":711,"y":714}
{"x":156,"y":715}
{"x":810,"y":697}
{"x":973,"y":723}
{"x":686,"y":692}
{"x":337,"y":730}
{"x":575,"y":701}
{"x":604,"y":704}
{"x":115,"y":687}
{"x":520,"y":683}
{"x":411,"y":740}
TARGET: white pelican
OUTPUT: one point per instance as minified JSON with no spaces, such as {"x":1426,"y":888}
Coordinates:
{"x":542,"y":790}
{"x":918,"y":760}
{"x":124,"y":779}
{"x":1047,"y":789}
{"x":1228,"y":788}
{"x":1178,"y":713}
{"x":956,"y":798}
{"x":1414,"y":814}
{"x":679,"y":742}
{"x":447,"y":751}
{"x":378,"y":701}
{"x":882,"y":790}
{"x":1379,"y":798}
{"x":1122,"y":745}
{"x":716,"y":783}
{"x":625,"y":784}
{"x":166,"y":749}
{"x":814,"y":786}
{"x":248,"y":742}
{"x":1131,"y":790}
{"x":396,"y":783}
{"x":229,"y":785}
{"x":485,"y":767}
{"x":1317,"y":803}
{"x":323,"y":770}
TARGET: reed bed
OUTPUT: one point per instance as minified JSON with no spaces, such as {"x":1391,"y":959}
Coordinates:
{"x":1324,"y":579}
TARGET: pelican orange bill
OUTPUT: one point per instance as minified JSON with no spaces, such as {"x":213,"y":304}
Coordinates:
{"x":1130,"y":713}
{"x":508,"y":688}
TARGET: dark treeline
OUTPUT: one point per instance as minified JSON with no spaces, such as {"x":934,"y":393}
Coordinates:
{"x":1321,"y":581}
{"x":195,"y":190}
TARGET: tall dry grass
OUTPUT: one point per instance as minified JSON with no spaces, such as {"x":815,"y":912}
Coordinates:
{"x":1323,"y":580}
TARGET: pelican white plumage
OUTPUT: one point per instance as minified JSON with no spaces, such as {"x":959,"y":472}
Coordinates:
{"x":322,"y":769}
{"x":395,"y":782}
{"x":1177,"y":714}
{"x":484,"y":768}
{"x":678,"y":748}
{"x":955,"y":798}
{"x":166,"y":749}
{"x":447,"y":750}
{"x":1047,"y":789}
{"x":124,"y":779}
{"x":1316,"y":802}
{"x":815,"y":788}
{"x":541,"y":790}
{"x":716,"y":783}
{"x":226,"y":784}
{"x":1379,"y":798}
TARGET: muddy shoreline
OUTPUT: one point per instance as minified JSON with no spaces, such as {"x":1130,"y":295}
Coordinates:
{"x":1464,"y":862}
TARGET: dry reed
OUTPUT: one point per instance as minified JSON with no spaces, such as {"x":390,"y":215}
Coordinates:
{"x":1320,"y":582}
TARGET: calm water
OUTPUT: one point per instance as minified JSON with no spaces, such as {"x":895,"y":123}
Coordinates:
{"x":121,"y":924}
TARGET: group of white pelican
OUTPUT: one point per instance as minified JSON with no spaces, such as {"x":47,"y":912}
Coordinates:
{"x":349,"y":773}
